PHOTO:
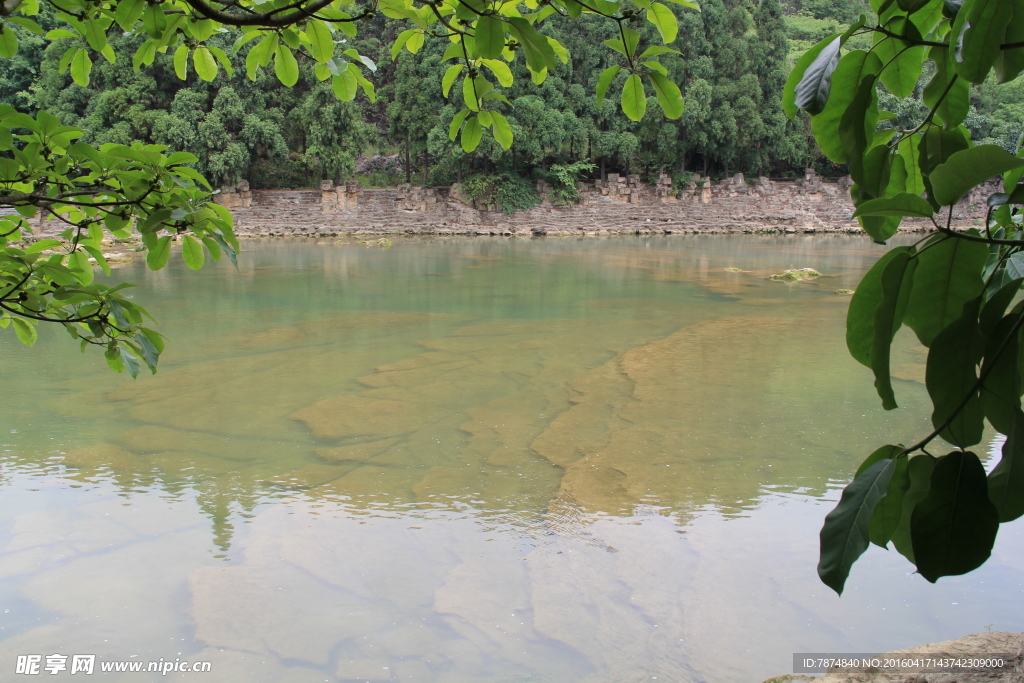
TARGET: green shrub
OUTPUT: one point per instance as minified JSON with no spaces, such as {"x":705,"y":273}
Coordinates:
{"x":510,"y":192}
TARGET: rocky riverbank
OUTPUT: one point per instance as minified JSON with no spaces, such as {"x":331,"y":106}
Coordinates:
{"x":618,"y":205}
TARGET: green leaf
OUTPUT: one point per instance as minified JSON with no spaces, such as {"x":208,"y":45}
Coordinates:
{"x":845,"y":534}
{"x":903,"y":62}
{"x":657,"y":50}
{"x":489,"y":37}
{"x":95,"y":34}
{"x":1010,"y":63}
{"x":345,"y":86}
{"x":664,"y":20}
{"x":919,"y":472}
{"x":321,"y":42}
{"x":976,"y":35}
{"x":25,"y":330}
{"x":539,"y":54}
{"x":860,"y":317}
{"x":150,"y":353}
{"x":81,"y":66}
{"x":181,"y":61}
{"x":968,"y":168}
{"x":605,"y":81}
{"x":128,"y":13}
{"x":453,"y":128}
{"x":848,"y":76}
{"x":449,"y":77}
{"x":669,"y":96}
{"x":951,"y":377}
{"x":948,"y":275}
{"x":502,"y":131}
{"x":192,"y":252}
{"x":79,"y":264}
{"x":887,"y":452}
{"x":1006,"y":481}
{"x":857,"y":126}
{"x":903,"y":204}
{"x":159,"y":254}
{"x":285,"y":66}
{"x":810,"y":81}
{"x":205,"y":63}
{"x":634,"y":99}
{"x":129,"y":360}
{"x":889,"y":509}
{"x":910,"y":149}
{"x":400,"y":41}
{"x":471,"y":134}
{"x":954,"y":527}
{"x":1000,"y":390}
{"x":8,"y":42}
{"x":951,"y":101}
{"x":895,"y":292}
{"x":500,"y":70}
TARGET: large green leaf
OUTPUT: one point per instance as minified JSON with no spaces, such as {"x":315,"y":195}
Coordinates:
{"x":471,"y":134}
{"x":605,"y":80}
{"x":539,"y":53}
{"x":886,"y":517}
{"x":845,"y":534}
{"x":1010,"y":63}
{"x":449,"y":77}
{"x":919,"y":472}
{"x":285,"y":65}
{"x":903,"y":61}
{"x":977,"y":33}
{"x":669,"y":97}
{"x":858,"y":123}
{"x":965,"y":169}
{"x":954,"y":527}
{"x":81,"y":66}
{"x":910,"y":149}
{"x":664,"y":20}
{"x":903,"y":204}
{"x":159,"y":254}
{"x":1006,"y":481}
{"x":896,"y":287}
{"x":192,"y":252}
{"x":634,"y":99}
{"x":947,"y":277}
{"x":502,"y":131}
{"x":846,"y":79}
{"x":946,"y":92}
{"x":8,"y":42}
{"x":810,"y":81}
{"x":206,"y":64}
{"x":489,"y":37}
{"x":1000,"y":390}
{"x":320,"y":40}
{"x":951,"y":376}
{"x":886,"y":452}
{"x":860,"y":317}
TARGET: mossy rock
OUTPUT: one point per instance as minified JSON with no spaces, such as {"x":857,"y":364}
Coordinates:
{"x":795,"y":275}
{"x":844,"y":291}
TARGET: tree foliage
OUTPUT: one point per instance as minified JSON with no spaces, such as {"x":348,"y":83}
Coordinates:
{"x":118,"y":189}
{"x":954,"y":289}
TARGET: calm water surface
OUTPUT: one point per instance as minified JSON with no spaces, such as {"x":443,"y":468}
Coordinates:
{"x":468,"y":460}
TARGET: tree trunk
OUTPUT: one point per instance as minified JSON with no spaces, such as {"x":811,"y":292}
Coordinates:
{"x":425,"y":167}
{"x":408,"y":164}
{"x":458,"y":173}
{"x":604,"y":176}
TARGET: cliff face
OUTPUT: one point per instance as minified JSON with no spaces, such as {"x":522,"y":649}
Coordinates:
{"x":617,"y":205}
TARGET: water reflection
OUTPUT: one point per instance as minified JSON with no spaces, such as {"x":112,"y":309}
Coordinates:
{"x":450,"y":460}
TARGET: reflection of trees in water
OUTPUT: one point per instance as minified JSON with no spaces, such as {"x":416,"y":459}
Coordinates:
{"x":523,"y":376}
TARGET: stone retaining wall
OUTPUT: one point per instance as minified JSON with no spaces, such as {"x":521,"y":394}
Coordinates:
{"x":620,"y":204}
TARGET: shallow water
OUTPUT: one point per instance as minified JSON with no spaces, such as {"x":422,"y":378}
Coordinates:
{"x":468,"y":460}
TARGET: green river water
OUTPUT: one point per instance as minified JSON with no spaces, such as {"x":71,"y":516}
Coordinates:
{"x":468,"y":460}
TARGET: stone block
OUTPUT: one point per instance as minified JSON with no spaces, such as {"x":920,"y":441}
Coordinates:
{"x":326,"y":185}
